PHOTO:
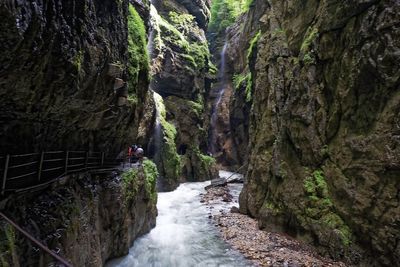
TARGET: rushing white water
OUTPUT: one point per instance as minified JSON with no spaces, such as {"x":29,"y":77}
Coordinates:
{"x":214,"y":115}
{"x":183,"y":236}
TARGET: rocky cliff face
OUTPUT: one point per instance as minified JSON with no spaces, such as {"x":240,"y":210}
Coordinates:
{"x":322,"y":79}
{"x":74,"y":75}
{"x":181,"y":67}
{"x":62,"y":73}
{"x":89,"y":219}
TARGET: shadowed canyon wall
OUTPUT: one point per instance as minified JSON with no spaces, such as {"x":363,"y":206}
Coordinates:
{"x":182,"y":70}
{"x":74,"y":75}
{"x":62,"y":71}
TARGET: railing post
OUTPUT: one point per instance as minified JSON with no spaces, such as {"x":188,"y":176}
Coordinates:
{"x":3,"y":187}
{"x":86,"y":159}
{"x":102,"y":159}
{"x":40,"y":166}
{"x":66,"y":161}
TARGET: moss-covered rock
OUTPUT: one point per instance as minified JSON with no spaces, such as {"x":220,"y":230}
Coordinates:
{"x":138,"y":63}
{"x":90,"y":218}
{"x":59,"y":62}
{"x":181,"y":66}
{"x":323,"y":158}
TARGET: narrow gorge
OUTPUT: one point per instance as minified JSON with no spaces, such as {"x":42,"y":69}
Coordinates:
{"x":117,"y":114}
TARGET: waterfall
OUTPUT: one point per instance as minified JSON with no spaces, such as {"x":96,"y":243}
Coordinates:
{"x":159,"y":104}
{"x":158,"y":137}
{"x":214,"y":113}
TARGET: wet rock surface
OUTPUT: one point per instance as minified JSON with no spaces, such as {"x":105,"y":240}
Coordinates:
{"x":181,"y":68}
{"x":87,"y":220}
{"x":59,"y":63}
{"x":262,"y":248}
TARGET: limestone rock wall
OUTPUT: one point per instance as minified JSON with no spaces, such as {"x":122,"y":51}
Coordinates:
{"x":59,"y":63}
{"x":323,"y":79}
{"x":182,"y":69}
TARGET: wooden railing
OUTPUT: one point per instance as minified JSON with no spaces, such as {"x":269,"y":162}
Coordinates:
{"x":21,"y":172}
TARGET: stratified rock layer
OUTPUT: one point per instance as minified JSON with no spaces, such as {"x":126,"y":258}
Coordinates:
{"x":324,"y":126}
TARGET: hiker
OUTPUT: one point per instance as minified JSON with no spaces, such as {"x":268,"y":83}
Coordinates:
{"x":139,"y":153}
{"x":135,"y":153}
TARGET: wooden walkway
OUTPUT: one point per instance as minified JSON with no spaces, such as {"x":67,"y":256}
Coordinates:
{"x":29,"y":171}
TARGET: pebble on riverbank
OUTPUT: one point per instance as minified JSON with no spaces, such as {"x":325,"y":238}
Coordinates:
{"x":261,"y":247}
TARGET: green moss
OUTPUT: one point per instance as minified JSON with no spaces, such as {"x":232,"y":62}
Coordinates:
{"x":8,"y":248}
{"x":151,"y":175}
{"x":137,"y":49}
{"x":308,"y":59}
{"x":278,"y":31}
{"x":195,"y":53}
{"x":272,"y":207}
{"x":78,"y":60}
{"x":320,"y":207}
{"x":132,"y":98}
{"x":246,"y":81}
{"x":252,"y":45}
{"x":182,"y":22}
{"x":316,"y":185}
{"x":311,"y":35}
{"x":130,"y":184}
{"x":196,"y":107}
{"x":334,"y":221}
{"x":171,"y":161}
{"x":305,"y":49}
{"x":172,"y":35}
{"x":238,"y":80}
{"x":213,"y":70}
{"x":207,"y":160}
{"x":190,"y":59}
{"x":204,"y":163}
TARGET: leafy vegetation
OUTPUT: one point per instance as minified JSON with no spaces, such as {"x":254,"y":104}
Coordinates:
{"x":137,"y":49}
{"x":246,"y":81}
{"x":253,"y":44}
{"x":151,"y":174}
{"x":305,"y":49}
{"x":225,"y":12}
{"x":171,"y":161}
{"x":208,"y":161}
{"x":130,"y":184}
{"x":182,"y":22}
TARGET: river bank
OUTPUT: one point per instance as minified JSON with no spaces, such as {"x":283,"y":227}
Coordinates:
{"x":262,"y":248}
{"x":183,"y":236}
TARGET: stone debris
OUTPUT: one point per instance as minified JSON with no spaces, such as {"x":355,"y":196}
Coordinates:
{"x":262,"y":248}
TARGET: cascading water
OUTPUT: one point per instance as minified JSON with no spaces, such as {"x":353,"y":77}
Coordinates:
{"x":183,"y":236}
{"x":158,"y":136}
{"x":214,"y":114}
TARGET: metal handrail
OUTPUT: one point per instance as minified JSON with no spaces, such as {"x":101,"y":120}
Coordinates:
{"x":14,"y":169}
{"x":36,"y":242}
